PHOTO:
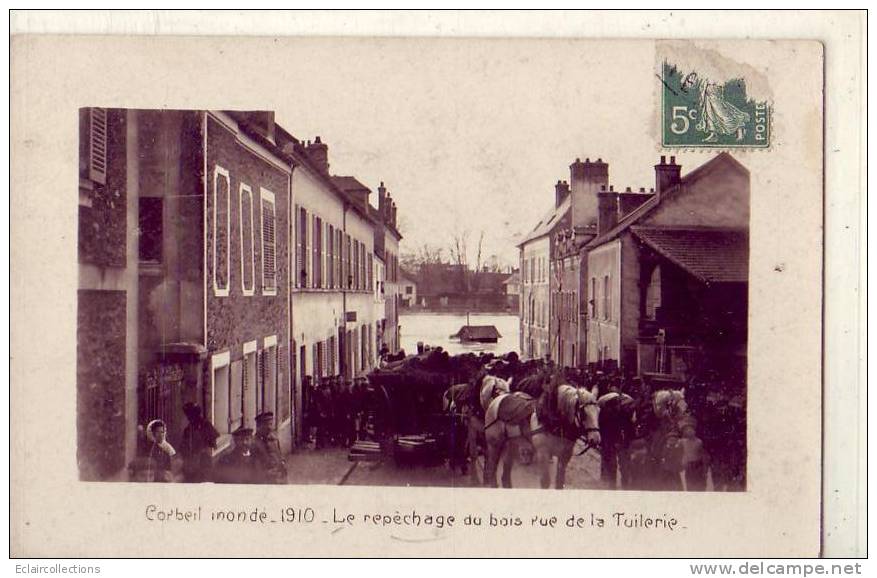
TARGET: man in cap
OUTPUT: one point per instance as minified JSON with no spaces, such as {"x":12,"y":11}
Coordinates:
{"x":267,"y":447}
{"x":242,"y":464}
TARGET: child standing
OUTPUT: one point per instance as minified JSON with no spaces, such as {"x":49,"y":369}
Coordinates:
{"x":694,"y":459}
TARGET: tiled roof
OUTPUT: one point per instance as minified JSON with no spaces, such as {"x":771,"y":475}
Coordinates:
{"x":348,"y":183}
{"x":710,"y":255}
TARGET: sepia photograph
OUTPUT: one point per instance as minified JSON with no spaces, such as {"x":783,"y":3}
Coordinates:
{"x":457,"y":295}
{"x":250,"y":314}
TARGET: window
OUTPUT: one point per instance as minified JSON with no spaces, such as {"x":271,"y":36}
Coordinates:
{"x":348,"y":263}
{"x":301,"y":247}
{"x":248,"y":250}
{"x":221,"y":223}
{"x":371,"y":273}
{"x":356,"y":271}
{"x":592,"y":302}
{"x":219,"y":392}
{"x":363,"y":344}
{"x":318,"y":252}
{"x":333,"y":356}
{"x":270,"y":383}
{"x":318,"y":359}
{"x":150,"y":228}
{"x":363,"y":277}
{"x":330,"y":257}
{"x":653,"y":294}
{"x":339,"y":253}
{"x":409,"y":290}
{"x":371,"y":353}
{"x":607,"y":299}
{"x":269,"y":244}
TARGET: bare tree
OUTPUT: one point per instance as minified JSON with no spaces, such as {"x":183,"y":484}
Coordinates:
{"x":429,"y":254}
{"x":478,"y":255}
{"x":459,"y":249}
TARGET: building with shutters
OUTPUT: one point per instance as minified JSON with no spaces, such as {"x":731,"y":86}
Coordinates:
{"x":219,"y":264}
{"x":667,"y":275}
{"x":550,"y":321}
{"x":183,"y":294}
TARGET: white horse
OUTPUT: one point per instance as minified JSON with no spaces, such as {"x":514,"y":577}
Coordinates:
{"x":579,"y":420}
{"x":491,"y":387}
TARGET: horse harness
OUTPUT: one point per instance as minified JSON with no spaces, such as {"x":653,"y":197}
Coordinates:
{"x":581,"y":433}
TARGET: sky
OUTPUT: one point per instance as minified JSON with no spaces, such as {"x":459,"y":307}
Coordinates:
{"x":471,"y":135}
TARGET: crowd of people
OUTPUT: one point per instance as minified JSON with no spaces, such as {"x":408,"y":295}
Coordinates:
{"x":655,"y":437}
{"x":336,"y":411}
{"x":254,"y":458}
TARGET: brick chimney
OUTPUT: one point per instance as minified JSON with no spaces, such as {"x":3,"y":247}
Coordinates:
{"x":382,"y":200}
{"x":628,"y":201}
{"x":388,"y":208}
{"x":393,"y":214}
{"x":607,"y":209}
{"x":318,"y":152}
{"x":561,"y":192}
{"x":667,"y":175}
{"x":586,"y":178}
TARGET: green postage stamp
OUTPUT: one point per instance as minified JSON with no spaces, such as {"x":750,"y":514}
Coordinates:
{"x":702,"y":112}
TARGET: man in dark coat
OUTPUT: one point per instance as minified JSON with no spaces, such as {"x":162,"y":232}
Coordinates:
{"x":616,"y":434}
{"x":199,"y":441}
{"x":267,"y":447}
{"x":242,"y":465}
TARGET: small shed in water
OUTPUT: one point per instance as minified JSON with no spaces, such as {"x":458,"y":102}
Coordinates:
{"x":479,"y":333}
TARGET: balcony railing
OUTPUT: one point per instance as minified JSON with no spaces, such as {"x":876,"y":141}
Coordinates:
{"x":671,"y":362}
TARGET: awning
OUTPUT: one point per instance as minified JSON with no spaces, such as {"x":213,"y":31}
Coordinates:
{"x":710,"y":255}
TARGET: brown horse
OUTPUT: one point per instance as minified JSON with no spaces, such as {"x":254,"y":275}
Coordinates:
{"x":578,"y":420}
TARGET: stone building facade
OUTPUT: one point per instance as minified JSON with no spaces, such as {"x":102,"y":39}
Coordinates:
{"x":219,"y":265}
{"x":667,"y":277}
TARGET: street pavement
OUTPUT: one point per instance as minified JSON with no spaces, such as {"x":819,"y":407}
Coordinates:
{"x":330,"y":466}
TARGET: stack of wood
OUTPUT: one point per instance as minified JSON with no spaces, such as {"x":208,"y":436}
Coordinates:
{"x":365,"y":451}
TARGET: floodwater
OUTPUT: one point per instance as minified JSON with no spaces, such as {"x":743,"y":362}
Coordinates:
{"x":434,"y":328}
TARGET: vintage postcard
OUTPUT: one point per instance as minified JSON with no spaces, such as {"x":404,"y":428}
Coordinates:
{"x":417,"y":296}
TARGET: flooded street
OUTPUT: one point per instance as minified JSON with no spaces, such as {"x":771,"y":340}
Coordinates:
{"x":435,"y":328}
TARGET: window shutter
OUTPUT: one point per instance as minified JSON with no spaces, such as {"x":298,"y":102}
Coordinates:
{"x":330,"y":252}
{"x":324,"y":246}
{"x":338,"y":256}
{"x":310,"y":259}
{"x":315,"y":261}
{"x":268,"y":243}
{"x":345,"y":261}
{"x":296,"y":277}
{"x":355,"y":264}
{"x":237,"y":397}
{"x":97,"y":147}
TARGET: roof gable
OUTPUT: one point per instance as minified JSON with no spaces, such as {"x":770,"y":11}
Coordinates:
{"x":719,"y":161}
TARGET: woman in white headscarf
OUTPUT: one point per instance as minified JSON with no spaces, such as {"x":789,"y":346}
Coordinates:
{"x":159,"y":452}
